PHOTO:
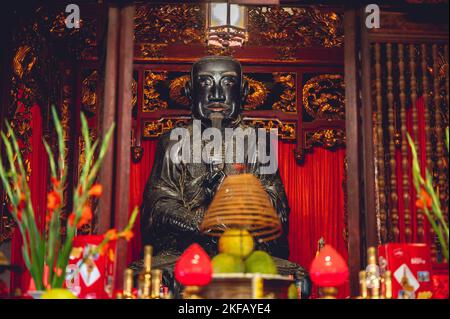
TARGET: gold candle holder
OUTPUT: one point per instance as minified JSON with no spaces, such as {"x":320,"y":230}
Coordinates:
{"x":328,"y":292}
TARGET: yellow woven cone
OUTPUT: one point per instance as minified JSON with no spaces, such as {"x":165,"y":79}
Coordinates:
{"x":242,"y":202}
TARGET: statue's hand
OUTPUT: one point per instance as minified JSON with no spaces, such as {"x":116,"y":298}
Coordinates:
{"x":186,"y":220}
{"x":197,"y":218}
{"x":212,"y":182}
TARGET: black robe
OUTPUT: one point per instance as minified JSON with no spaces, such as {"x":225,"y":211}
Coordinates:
{"x":177,"y":196}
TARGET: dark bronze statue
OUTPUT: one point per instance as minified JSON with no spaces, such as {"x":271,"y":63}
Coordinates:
{"x":178,"y":194}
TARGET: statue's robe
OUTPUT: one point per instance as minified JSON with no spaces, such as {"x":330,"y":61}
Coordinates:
{"x":177,"y":196}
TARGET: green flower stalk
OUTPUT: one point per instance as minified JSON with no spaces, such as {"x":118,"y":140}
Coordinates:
{"x":429,"y":198}
{"x":40,"y":249}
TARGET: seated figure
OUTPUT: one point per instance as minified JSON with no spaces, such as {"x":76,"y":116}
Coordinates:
{"x":178,"y":193}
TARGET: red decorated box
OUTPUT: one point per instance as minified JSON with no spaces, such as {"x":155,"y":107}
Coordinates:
{"x":410,"y":265}
{"x":92,"y":279}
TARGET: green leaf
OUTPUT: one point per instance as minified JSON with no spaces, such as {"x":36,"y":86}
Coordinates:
{"x":50,"y":158}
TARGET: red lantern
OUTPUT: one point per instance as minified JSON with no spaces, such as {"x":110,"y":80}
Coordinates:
{"x":329,"y":269}
{"x":193,"y":268}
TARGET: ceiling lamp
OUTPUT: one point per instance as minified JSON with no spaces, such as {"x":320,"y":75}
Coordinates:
{"x":226,"y":24}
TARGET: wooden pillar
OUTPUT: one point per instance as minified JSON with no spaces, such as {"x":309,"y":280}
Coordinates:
{"x":108,"y":117}
{"x":115,"y":174}
{"x":367,"y":152}
{"x":353,"y":147}
{"x":122,"y":164}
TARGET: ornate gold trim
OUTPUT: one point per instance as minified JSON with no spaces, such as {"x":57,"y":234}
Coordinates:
{"x":133,"y":92}
{"x":287,"y":102}
{"x":327,"y":138}
{"x":156,"y":128}
{"x":20,"y":66}
{"x":257,"y":94}
{"x":89,"y":92}
{"x":176,"y":88}
{"x":151,"y":98}
{"x":319,"y":103}
{"x":286,"y":130}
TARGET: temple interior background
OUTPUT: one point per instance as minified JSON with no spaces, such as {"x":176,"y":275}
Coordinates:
{"x":342,"y":96}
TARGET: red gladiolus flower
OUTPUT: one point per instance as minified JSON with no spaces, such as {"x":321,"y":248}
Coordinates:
{"x":22,"y":202}
{"x":49,"y":216}
{"x":424,"y":199}
{"x":19,"y":215}
{"x":55,"y":182}
{"x":103,"y":250}
{"x":111,"y":234}
{"x":71,"y":219}
{"x":53,"y":200}
{"x":96,"y":190}
{"x":86,"y":216}
{"x":127,"y":235}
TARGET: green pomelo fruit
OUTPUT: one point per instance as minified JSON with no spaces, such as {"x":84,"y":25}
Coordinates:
{"x":226,"y":263}
{"x":236,"y":242}
{"x":260,"y":262}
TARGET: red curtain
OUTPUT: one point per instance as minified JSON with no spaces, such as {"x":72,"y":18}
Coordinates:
{"x":316,"y":199}
{"x":139,"y":173}
{"x":38,"y":188}
{"x":315,"y":194}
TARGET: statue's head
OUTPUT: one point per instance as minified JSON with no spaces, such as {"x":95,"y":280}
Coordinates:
{"x":217,"y":85}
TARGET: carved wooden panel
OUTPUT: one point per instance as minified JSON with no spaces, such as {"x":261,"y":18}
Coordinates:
{"x":283,"y":28}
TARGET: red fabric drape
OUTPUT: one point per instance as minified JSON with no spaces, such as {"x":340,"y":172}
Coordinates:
{"x":316,"y":199}
{"x":139,"y":174}
{"x":315,"y":196}
{"x":37,"y":183}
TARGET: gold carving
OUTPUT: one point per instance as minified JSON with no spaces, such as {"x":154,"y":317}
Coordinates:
{"x":58,"y":26}
{"x":89,"y":92}
{"x":163,"y":24}
{"x":284,"y":28}
{"x":287,"y":101}
{"x":176,"y":88}
{"x":150,"y":50}
{"x":294,"y":27}
{"x":158,"y":127}
{"x":133,"y":92}
{"x":286,"y":130}
{"x":324,"y":97}
{"x":23,"y":61}
{"x":7,"y":223}
{"x":327,"y":137}
{"x":225,"y":51}
{"x":257,"y":94}
{"x":152,"y":101}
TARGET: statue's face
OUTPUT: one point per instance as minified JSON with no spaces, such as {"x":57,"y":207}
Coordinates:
{"x":217,"y":87}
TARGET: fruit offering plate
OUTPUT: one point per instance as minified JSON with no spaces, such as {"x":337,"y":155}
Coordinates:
{"x":247,"y":286}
